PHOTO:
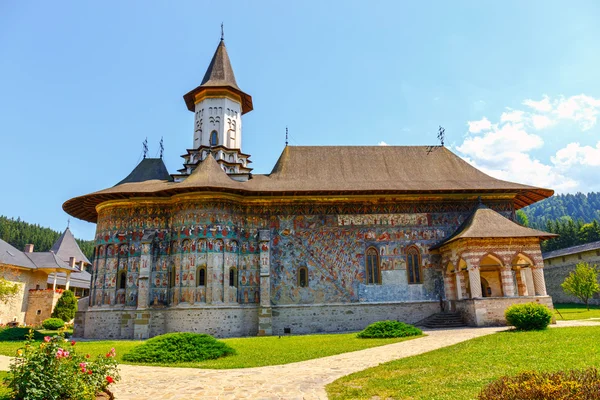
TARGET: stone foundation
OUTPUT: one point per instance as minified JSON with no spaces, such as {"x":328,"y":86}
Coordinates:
{"x":40,"y":304}
{"x":490,"y":311}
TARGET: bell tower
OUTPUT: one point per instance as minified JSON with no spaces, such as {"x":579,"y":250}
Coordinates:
{"x":218,"y":105}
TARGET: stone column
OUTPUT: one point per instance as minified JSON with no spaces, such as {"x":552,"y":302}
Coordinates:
{"x":521,"y":283}
{"x":142,"y":315}
{"x":508,"y":285}
{"x":449,"y":287}
{"x":475,"y":282}
{"x":265,"y":321}
{"x":67,"y":281}
{"x":54,"y":281}
{"x":539,"y":283}
{"x":459,"y":291}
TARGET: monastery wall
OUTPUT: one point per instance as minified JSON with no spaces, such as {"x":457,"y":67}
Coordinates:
{"x":490,"y":311}
{"x":16,"y":307}
{"x":558,"y":268}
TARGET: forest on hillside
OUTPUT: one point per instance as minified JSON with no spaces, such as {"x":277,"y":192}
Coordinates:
{"x":19,"y":233}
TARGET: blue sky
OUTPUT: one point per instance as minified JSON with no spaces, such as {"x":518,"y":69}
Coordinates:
{"x":82,"y":84}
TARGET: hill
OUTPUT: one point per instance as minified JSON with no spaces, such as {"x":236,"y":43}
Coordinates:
{"x":19,"y":233}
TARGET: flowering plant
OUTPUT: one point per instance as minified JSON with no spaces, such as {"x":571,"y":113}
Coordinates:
{"x":54,"y":370}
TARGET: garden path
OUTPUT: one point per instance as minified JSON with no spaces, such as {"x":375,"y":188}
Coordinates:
{"x":302,"y":380}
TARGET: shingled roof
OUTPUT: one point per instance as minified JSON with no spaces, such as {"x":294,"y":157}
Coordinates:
{"x":487,"y":223}
{"x":10,"y":255}
{"x":580,"y":248}
{"x":66,"y":247}
{"x":147,"y":169}
{"x":219,"y":75}
{"x":331,"y":170}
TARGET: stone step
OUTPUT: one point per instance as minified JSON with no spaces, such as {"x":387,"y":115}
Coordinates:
{"x":444,"y":320}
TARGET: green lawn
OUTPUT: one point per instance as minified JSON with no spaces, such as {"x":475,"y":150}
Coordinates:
{"x":573,"y":311}
{"x":4,"y":391}
{"x":251,"y":351}
{"x":460,"y":371}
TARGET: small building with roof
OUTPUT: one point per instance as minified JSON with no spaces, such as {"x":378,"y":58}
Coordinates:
{"x":332,"y":239}
{"x":560,"y":263}
{"x":33,"y":302}
{"x":67,"y":250}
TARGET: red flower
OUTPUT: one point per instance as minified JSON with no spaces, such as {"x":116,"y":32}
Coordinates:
{"x":87,"y":356}
{"x":72,"y":343}
{"x":47,"y":339}
{"x":89,"y":371}
{"x":110,"y":379}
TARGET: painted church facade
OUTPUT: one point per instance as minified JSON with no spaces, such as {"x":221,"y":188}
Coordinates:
{"x":327,"y":242}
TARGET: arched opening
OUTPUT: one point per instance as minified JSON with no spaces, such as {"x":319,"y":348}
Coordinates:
{"x":302,"y":277}
{"x":233,"y":278}
{"x":413,"y":265}
{"x":372,"y":266}
{"x":490,"y":273}
{"x":462,"y":272}
{"x":172,"y":278}
{"x":450,"y":282}
{"x":521,"y":266}
{"x":201,"y":276}
{"x":214,"y":138}
{"x":122,"y":280}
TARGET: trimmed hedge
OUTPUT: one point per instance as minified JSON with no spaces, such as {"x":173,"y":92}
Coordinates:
{"x":178,"y":347}
{"x":53,"y":324}
{"x":528,"y":316}
{"x":532,"y":385}
{"x":66,"y":306}
{"x":388,"y":329}
{"x":18,"y":334}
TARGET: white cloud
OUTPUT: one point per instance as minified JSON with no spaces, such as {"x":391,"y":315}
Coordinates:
{"x":504,"y":149}
{"x":382,"y":143}
{"x":477,"y":126}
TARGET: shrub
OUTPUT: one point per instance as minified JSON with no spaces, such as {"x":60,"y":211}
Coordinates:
{"x":178,"y":347}
{"x":388,"y":329}
{"x":53,"y":324}
{"x":18,"y":334}
{"x":65,"y":307}
{"x":53,"y":370}
{"x":528,"y":316}
{"x":531,"y":385}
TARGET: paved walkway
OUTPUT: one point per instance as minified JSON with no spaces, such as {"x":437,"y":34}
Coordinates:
{"x":302,"y":380}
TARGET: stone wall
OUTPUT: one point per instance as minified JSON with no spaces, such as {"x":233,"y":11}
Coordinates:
{"x":303,"y":319}
{"x":558,"y":268}
{"x":40,"y":304}
{"x":490,"y":311}
{"x":16,"y":307}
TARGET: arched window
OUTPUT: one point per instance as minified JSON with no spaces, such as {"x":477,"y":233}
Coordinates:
{"x":413,"y":265}
{"x":172,"y":277}
{"x":302,"y":277}
{"x":214,"y":138}
{"x":372,"y":264}
{"x":122,"y":280}
{"x":233,"y":281}
{"x":201,"y":276}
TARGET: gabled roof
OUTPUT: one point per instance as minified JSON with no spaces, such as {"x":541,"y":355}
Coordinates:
{"x":147,"y":169}
{"x":219,"y":74}
{"x":49,"y":260}
{"x":80,"y":279}
{"x":571,"y":250}
{"x":333,"y":170}
{"x":66,"y":247}
{"x":10,"y":255}
{"x":487,"y":223}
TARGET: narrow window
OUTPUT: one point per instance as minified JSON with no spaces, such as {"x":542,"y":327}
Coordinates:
{"x":372,"y":264}
{"x":413,"y":265}
{"x":172,"y":278}
{"x":201,"y":278}
{"x":303,"y":277}
{"x":213,"y":138}
{"x":233,"y":277}
{"x":122,"y":280}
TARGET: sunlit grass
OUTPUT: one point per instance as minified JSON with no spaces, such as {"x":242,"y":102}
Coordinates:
{"x":459,"y":372}
{"x":572,"y":311}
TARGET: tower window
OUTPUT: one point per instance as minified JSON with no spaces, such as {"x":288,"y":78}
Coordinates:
{"x":214,"y":138}
{"x":303,"y":277}
{"x":122,"y":284}
{"x":372,"y":264}
{"x":201,"y":278}
{"x":233,"y":277}
{"x":413,"y":265}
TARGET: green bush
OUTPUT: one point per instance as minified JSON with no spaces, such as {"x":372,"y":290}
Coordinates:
{"x":178,"y":347}
{"x":531,"y":385}
{"x":388,"y":329}
{"x":528,"y":316}
{"x":65,"y":307}
{"x":18,"y":334}
{"x":53,"y":370}
{"x":53,"y":324}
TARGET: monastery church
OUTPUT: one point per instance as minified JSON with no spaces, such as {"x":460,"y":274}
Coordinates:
{"x":325,"y":242}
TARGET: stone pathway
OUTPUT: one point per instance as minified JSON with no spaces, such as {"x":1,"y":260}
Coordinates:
{"x":302,"y":380}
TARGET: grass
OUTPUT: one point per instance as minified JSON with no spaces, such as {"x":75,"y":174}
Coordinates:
{"x":4,"y":391}
{"x":459,"y":372}
{"x":572,"y":311}
{"x":251,"y":351}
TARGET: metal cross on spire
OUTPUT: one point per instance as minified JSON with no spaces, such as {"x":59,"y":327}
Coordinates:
{"x":162,"y":147}
{"x":145,"y":147}
{"x":441,"y":135}
{"x":286,"y":136}
{"x":68,"y":222}
{"x":222,"y":32}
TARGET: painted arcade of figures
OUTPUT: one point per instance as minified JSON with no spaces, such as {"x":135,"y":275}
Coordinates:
{"x":208,"y":252}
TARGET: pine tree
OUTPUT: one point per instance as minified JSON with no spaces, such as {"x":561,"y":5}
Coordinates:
{"x":65,"y":307}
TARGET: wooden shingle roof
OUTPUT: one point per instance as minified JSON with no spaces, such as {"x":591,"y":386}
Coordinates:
{"x":331,"y":170}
